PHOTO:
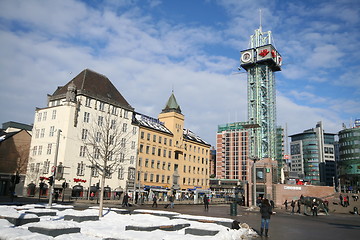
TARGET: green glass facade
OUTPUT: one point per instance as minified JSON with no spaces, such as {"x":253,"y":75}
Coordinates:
{"x":349,"y":158}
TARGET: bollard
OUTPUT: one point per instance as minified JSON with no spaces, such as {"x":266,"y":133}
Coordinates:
{"x":233,"y":209}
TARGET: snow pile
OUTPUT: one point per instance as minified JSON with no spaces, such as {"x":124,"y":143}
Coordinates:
{"x":112,"y":225}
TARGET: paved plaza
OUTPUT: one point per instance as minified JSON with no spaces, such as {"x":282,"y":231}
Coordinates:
{"x":283,"y":225}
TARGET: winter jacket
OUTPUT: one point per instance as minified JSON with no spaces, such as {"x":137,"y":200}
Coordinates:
{"x":265,"y":211}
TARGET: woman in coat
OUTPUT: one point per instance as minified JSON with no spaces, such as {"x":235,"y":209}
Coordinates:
{"x":266,"y":211}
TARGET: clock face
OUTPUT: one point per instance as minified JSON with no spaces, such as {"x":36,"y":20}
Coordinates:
{"x":246,"y":57}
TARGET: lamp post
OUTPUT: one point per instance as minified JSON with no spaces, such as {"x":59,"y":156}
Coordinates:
{"x":55,"y":168}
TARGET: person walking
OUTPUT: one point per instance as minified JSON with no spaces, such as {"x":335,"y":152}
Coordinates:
{"x":286,"y":204}
{"x":314,"y":208}
{"x":341,"y":200}
{"x":172,"y":199}
{"x":126,"y":200}
{"x":154,"y":201}
{"x":266,"y":212}
{"x":292,"y":206}
{"x":298,"y":206}
{"x":206,"y":202}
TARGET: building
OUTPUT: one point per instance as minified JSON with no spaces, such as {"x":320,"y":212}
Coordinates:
{"x":261,"y":61}
{"x":313,"y":156}
{"x":15,"y":141}
{"x":171,"y":159}
{"x":232,"y":151}
{"x":71,"y":134}
{"x":349,"y":157}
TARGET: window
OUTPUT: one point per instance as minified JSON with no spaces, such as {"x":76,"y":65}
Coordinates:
{"x":42,"y":133}
{"x":140,"y":160}
{"x":133,"y":145}
{"x":49,"y":148}
{"x":44,"y":116}
{"x":152,"y":163}
{"x":131,"y":175}
{"x":113,"y":124}
{"x":84,"y":134}
{"x":159,"y":152}
{"x":169,"y":153}
{"x":88,"y":102}
{"x":37,"y":133}
{"x":100,"y":120}
{"x":132,"y":159}
{"x":160,"y":138}
{"x":142,"y":135}
{"x":154,"y":138}
{"x":94,"y":172}
{"x":123,"y":142}
{"x":102,"y":106}
{"x":126,"y":114}
{"x":147,"y":163}
{"x":121,"y":173}
{"x":169,"y":166}
{"x":184,"y":168}
{"x":151,"y":177}
{"x":98,"y":137}
{"x":157,"y":178}
{"x":145,"y":177}
{"x":34,"y":150}
{"x":46,"y":167}
{"x":80,"y":169}
{"x":82,"y":151}
{"x":122,"y":157}
{"x":148,"y":136}
{"x":53,"y":115}
{"x":96,"y":153}
{"x":158,"y":165}
{"x":86,"y":117}
{"x":40,"y":150}
{"x":37,"y":167}
{"x":39,"y":117}
{"x":163,"y":166}
{"x":51,"y":132}
{"x":134,"y":130}
{"x":165,"y":140}
{"x":141,"y":148}
{"x":114,"y":110}
{"x":153,"y":150}
{"x":124,"y":128}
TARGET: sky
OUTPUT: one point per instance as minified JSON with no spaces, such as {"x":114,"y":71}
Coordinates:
{"x":112,"y":225}
{"x":150,"y":48}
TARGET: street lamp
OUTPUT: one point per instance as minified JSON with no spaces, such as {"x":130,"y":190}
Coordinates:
{"x":55,"y":166}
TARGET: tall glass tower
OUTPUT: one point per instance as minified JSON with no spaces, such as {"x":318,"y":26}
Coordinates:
{"x":261,"y":61}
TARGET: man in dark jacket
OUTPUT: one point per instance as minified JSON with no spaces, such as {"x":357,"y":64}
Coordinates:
{"x":266,"y":212}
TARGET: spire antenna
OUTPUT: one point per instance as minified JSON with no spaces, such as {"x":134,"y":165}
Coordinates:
{"x":260,"y":27}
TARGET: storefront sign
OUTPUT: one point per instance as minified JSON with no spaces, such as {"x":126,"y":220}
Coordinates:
{"x":292,"y":188}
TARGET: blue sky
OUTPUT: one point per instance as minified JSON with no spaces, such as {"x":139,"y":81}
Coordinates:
{"x":149,"y":48}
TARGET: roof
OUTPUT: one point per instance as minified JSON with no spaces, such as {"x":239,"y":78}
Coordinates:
{"x":149,"y":122}
{"x":93,"y":84}
{"x":189,"y":135}
{"x":172,"y":105}
{"x":17,"y":125}
{"x":4,"y":135}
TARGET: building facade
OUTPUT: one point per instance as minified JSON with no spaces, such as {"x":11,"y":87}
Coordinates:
{"x":15,"y":141}
{"x":171,"y":158}
{"x":313,"y":156}
{"x":70,"y":134}
{"x":232,"y":151}
{"x":349,"y":158}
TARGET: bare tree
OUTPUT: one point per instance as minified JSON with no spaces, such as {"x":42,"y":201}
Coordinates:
{"x":105,"y":146}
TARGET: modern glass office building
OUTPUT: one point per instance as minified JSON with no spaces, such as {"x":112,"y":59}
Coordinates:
{"x":349,"y":158}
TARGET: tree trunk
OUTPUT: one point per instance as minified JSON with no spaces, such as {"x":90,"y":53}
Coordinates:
{"x":101,"y":204}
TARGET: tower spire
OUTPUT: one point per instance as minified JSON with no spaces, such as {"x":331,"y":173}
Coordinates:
{"x":260,"y":27}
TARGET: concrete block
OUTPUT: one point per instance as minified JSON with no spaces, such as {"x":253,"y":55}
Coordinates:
{"x":81,"y":218}
{"x":53,"y":231}
{"x":201,"y":232}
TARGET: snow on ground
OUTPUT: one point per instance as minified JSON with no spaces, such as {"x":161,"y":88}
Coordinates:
{"x":112,"y":225}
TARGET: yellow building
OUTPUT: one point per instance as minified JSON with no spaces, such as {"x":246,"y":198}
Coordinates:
{"x":171,"y":157}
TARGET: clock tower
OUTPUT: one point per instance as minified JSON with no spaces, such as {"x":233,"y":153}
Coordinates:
{"x":261,"y":61}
